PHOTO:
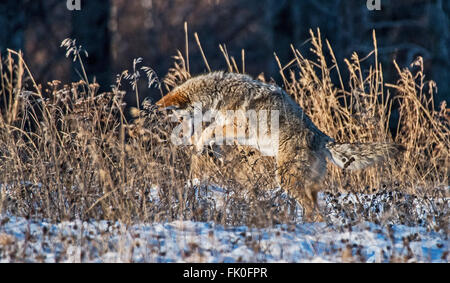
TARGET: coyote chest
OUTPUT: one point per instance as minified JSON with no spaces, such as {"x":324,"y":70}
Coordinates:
{"x":245,"y":112}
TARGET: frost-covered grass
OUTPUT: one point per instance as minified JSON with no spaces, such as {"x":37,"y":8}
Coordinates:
{"x":188,"y":241}
{"x":340,"y":239}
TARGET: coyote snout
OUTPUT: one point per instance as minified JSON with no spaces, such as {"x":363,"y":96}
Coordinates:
{"x":301,"y":149}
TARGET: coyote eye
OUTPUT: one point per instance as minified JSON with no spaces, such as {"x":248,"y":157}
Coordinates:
{"x":344,"y":159}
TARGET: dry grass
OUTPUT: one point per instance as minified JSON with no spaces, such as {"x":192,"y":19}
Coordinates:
{"x":360,"y":111}
{"x":67,"y":151}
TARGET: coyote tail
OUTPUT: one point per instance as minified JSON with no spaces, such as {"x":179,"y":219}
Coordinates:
{"x":355,"y":156}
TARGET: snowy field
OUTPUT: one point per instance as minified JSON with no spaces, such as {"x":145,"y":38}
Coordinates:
{"x":206,"y":242}
{"x":35,"y":240}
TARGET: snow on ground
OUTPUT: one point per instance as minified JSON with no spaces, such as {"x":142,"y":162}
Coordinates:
{"x":340,"y":239}
{"x":186,"y":241}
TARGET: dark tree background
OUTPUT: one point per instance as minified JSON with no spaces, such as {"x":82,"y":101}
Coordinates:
{"x":114,"y":32}
{"x":96,"y":40}
{"x":12,"y":25}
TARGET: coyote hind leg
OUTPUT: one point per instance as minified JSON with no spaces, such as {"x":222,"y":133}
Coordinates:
{"x":310,"y":205}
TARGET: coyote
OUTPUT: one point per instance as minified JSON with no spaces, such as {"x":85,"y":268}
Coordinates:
{"x":302,"y":149}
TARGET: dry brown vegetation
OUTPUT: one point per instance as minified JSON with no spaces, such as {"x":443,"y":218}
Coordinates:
{"x":67,"y":151}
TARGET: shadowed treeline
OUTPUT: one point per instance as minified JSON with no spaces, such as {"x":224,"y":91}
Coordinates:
{"x":114,"y":32}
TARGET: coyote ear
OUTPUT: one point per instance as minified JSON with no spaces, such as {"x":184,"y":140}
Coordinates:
{"x":175,"y":98}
